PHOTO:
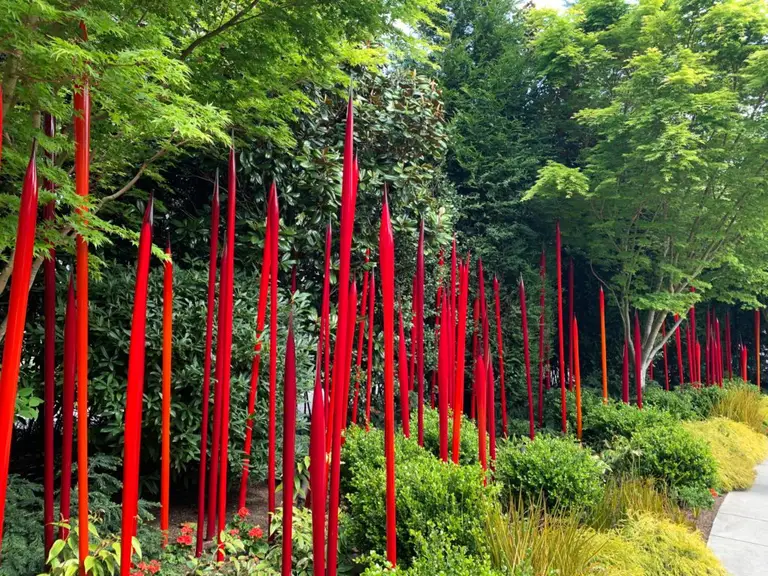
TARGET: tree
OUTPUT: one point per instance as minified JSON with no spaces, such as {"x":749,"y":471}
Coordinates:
{"x":168,"y":78}
{"x":671,"y":190}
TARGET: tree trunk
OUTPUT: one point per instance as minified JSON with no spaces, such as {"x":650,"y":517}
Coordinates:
{"x":651,"y":341}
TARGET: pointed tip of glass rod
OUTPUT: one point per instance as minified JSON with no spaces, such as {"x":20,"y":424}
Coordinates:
{"x":149,"y":212}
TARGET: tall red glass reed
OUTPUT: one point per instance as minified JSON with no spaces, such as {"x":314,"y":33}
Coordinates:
{"x":560,"y":333}
{"x":348,"y":199}
{"x":49,"y":358}
{"x":68,"y":407}
{"x":527,"y":359}
{"x":369,"y":379}
{"x":206,"y":391}
{"x":134,"y":396}
{"x":165,"y":442}
{"x":317,"y":479}
{"x":274,"y":246}
{"x":458,"y":402}
{"x":17,"y":314}
{"x":261,"y":315}
{"x":402,"y":366}
{"x":289,"y":450}
{"x":387,"y":266}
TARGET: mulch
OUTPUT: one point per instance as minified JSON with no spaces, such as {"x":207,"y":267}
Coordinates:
{"x":706,"y":518}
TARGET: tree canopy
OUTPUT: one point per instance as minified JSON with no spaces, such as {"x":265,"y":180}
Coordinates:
{"x":671,"y":187}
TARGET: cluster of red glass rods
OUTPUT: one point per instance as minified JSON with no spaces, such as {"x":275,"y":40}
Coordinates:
{"x":334,"y":393}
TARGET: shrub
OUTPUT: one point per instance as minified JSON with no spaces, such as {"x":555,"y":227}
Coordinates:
{"x":568,"y":475}
{"x":590,"y":400}
{"x":437,"y":556}
{"x":671,"y":455}
{"x":663,"y":548}
{"x":603,"y":424}
{"x":23,"y":541}
{"x":736,"y":447}
{"x":742,"y":404}
{"x":528,"y":538}
{"x":431,"y":496}
{"x":521,"y":428}
{"x":302,"y":557}
{"x":365,"y":450}
{"x":703,"y":399}
{"x":693,"y":497}
{"x":677,"y":402}
{"x":468,"y":442}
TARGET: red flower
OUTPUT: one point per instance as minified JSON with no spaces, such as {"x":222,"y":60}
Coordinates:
{"x":187,"y":529}
{"x":185,"y":539}
{"x":255,"y":532}
{"x":714,"y":493}
{"x":154,"y":566}
{"x":243,"y":513}
{"x":234,"y":532}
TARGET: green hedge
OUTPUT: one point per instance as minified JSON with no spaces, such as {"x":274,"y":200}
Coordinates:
{"x":432,"y":496}
{"x":686,"y":403}
{"x":469,"y":435}
{"x":674,"y":457}
{"x":569,"y":476}
{"x":604,"y":423}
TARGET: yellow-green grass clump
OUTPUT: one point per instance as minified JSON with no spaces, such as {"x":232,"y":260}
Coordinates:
{"x":643,"y":544}
{"x":743,"y":403}
{"x":736,"y":447}
{"x":659,"y":547}
{"x":626,"y":495}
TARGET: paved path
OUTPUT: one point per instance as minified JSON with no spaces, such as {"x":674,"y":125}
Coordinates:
{"x":739,"y":536}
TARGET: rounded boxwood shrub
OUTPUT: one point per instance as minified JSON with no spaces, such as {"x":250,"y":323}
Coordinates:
{"x":436,"y":556}
{"x":468,"y":441}
{"x":673,"y":456}
{"x":365,"y":450}
{"x":569,"y":476}
{"x":431,"y":496}
{"x":604,"y":423}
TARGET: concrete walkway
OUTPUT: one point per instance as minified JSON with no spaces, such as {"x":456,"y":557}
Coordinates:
{"x":739,"y":536}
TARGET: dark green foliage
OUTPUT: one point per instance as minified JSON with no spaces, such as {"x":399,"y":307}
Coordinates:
{"x":604,"y":423}
{"x":110,"y":321}
{"x":432,"y":496}
{"x":469,"y":435}
{"x":601,"y":423}
{"x":365,"y":450}
{"x":569,"y":476}
{"x":704,"y":399}
{"x":678,"y":402}
{"x":23,"y":536}
{"x":669,"y":454}
{"x":520,"y":427}
{"x":686,"y":403}
{"x":693,"y":497}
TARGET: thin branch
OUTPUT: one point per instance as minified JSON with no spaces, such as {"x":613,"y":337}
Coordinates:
{"x":5,"y":274}
{"x":236,"y":19}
